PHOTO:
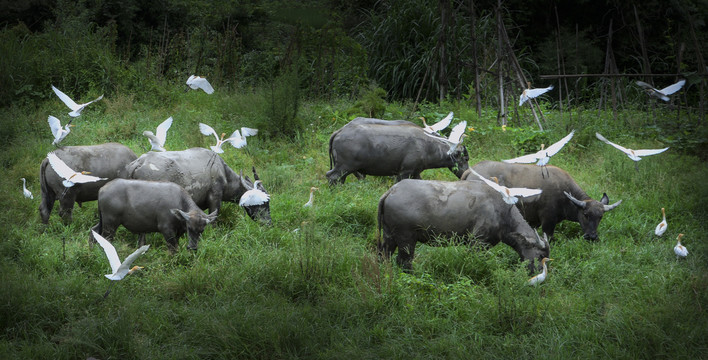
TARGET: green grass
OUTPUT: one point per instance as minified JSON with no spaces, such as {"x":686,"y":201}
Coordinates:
{"x":271,"y":292}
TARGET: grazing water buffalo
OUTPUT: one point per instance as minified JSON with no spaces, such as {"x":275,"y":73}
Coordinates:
{"x":562,"y":198}
{"x":417,"y":211}
{"x":374,"y":147}
{"x":105,"y":160}
{"x":150,"y":206}
{"x":203,"y":174}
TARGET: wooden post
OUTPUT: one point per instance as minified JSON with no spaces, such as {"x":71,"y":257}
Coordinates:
{"x":500,"y":55}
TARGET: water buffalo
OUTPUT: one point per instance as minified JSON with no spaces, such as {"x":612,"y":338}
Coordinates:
{"x":370,"y":147}
{"x":203,"y":174}
{"x":150,"y":206}
{"x":417,"y":211}
{"x":562,"y":198}
{"x":105,"y":161}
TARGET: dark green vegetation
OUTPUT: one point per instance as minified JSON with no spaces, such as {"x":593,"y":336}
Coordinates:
{"x":272,"y":292}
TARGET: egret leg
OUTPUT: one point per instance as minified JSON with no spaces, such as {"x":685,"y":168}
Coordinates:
{"x":636,"y":166}
{"x":108,"y":291}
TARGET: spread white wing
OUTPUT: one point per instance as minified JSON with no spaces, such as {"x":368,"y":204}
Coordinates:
{"x":162,"y":130}
{"x":457,"y":132}
{"x":647,"y":152}
{"x":645,"y":85}
{"x":198,"y":82}
{"x":67,"y":100}
{"x":532,"y":93}
{"x":60,"y":166}
{"x":555,"y":148}
{"x":621,"y":148}
{"x":110,"y":251}
{"x":253,"y":197}
{"x":526,"y":159}
{"x":248,"y":131}
{"x":491,"y":183}
{"x":442,"y":124}
{"x":672,"y":88}
{"x":55,"y":125}
{"x":208,"y":130}
{"x":236,"y":140}
{"x":524,"y":192}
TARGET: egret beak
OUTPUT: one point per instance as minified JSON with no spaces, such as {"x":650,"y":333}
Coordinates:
{"x":222,"y":136}
{"x":86,"y":172}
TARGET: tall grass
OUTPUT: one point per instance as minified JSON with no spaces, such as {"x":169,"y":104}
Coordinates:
{"x":311,"y":286}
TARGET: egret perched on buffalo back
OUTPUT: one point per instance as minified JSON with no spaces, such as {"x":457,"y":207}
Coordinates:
{"x":71,"y":177}
{"x":542,"y":276}
{"x":57,"y":131}
{"x":632,"y":154}
{"x":680,"y":250}
{"x":26,"y":192}
{"x":119,"y":269}
{"x":661,"y":228}
{"x":663,"y":93}
{"x":254,"y":196}
{"x":200,"y":82}
{"x":543,"y":156}
{"x":237,"y":139}
{"x":532,"y":93}
{"x":438,"y":126}
{"x":75,"y":108}
{"x":157,"y":141}
{"x":509,"y":195}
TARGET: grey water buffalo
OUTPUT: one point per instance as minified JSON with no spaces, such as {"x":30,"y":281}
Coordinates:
{"x":150,"y":206}
{"x":369,"y":147}
{"x":104,"y":160}
{"x":203,"y":174}
{"x":413,"y":211}
{"x":562,"y":198}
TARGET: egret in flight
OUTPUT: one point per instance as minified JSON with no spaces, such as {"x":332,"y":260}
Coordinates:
{"x":75,"y":108}
{"x":532,"y":93}
{"x":509,"y":195}
{"x":57,"y":131}
{"x":200,"y":82}
{"x":456,"y":135}
{"x":542,"y":276}
{"x":664,"y":93}
{"x":632,"y":154}
{"x":26,"y":192}
{"x":158,"y":141}
{"x":70,"y":176}
{"x":237,"y":139}
{"x":543,"y":156}
{"x":119,"y":269}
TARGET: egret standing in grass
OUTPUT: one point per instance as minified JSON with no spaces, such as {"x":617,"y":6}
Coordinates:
{"x":75,"y":108}
{"x":543,"y":156}
{"x":57,"y":131}
{"x":664,"y":93}
{"x":438,"y":126}
{"x":71,"y":177}
{"x":237,"y":139}
{"x":158,"y":141}
{"x":309,"y":203}
{"x":119,"y":269}
{"x":530,"y":93}
{"x":661,"y":228}
{"x":509,"y":195}
{"x":26,"y":192}
{"x":200,"y":82}
{"x":680,"y":250}
{"x":632,"y":154}
{"x":542,"y":276}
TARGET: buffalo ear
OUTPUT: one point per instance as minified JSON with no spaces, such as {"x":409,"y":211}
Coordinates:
{"x":180,"y":214}
{"x":605,"y":199}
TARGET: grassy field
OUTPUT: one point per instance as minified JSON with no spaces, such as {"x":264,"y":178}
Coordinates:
{"x":252,"y":291}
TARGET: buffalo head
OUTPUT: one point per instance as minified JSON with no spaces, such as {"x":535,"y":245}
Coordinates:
{"x":195,"y":221}
{"x":461,"y":159}
{"x":531,"y":247}
{"x":590,"y":213}
{"x":256,"y":212}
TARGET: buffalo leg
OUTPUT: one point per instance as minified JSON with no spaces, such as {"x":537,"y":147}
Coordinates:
{"x":45,"y":207}
{"x":172,"y":243}
{"x":549,"y":229}
{"x":141,"y":239}
{"x":386,"y":248}
{"x":405,"y":256}
{"x":66,"y":207}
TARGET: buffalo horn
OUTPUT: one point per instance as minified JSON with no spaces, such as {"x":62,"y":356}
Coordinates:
{"x":244,"y":183}
{"x":610,"y":207}
{"x":255,"y":175}
{"x":576,"y":201}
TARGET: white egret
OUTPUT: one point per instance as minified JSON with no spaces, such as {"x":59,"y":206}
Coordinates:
{"x":158,"y":141}
{"x":543,"y":156}
{"x":663,"y":93}
{"x":632,"y":154}
{"x":509,"y":195}
{"x":75,"y":108}
{"x":70,"y":176}
{"x":661,"y":228}
{"x":26,"y":192}
{"x":542,"y":276}
{"x":237,"y":139}
{"x":680,"y":250}
{"x":532,"y":93}
{"x":119,"y":269}
{"x":200,"y":82}
{"x":254,"y":196}
{"x":57,"y":131}
{"x":312,"y":197}
{"x":456,"y":135}
{"x":438,"y":126}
